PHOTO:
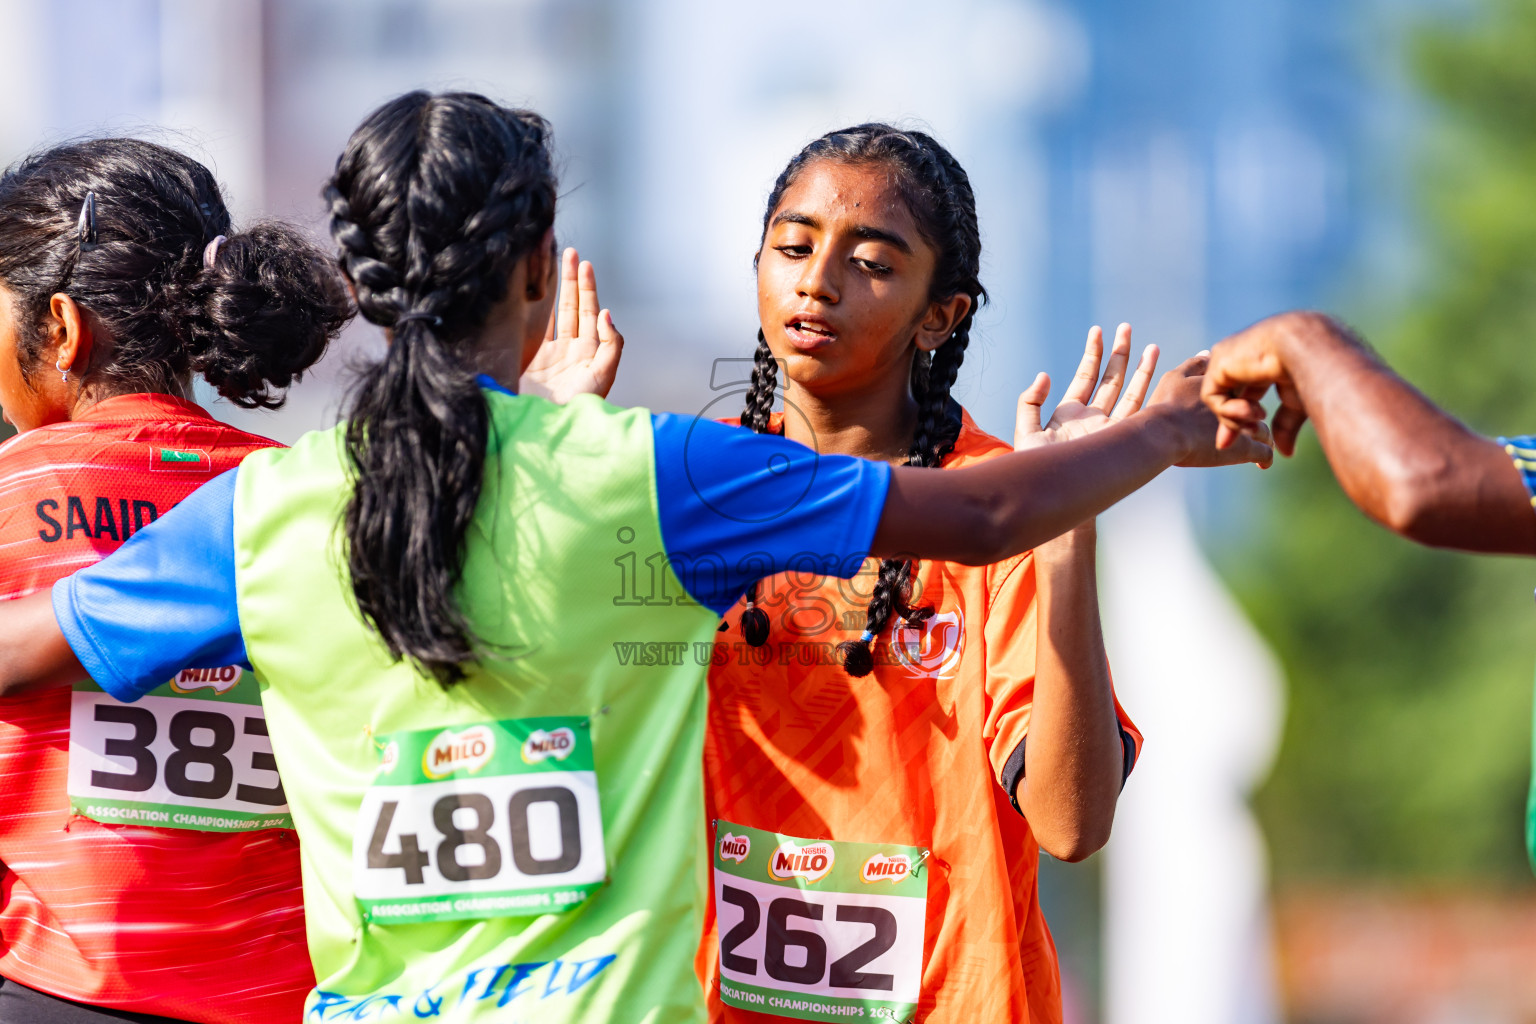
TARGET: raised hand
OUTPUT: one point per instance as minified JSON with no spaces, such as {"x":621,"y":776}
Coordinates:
{"x":581,"y":349}
{"x":1090,"y":403}
{"x":1181,"y":389}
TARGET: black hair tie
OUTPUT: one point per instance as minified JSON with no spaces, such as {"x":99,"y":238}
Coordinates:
{"x":434,"y":320}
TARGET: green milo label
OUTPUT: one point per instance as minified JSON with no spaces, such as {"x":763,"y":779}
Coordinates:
{"x":481,"y":820}
{"x":819,"y":929}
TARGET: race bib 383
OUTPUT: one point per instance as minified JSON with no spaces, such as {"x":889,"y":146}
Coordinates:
{"x":192,"y":754}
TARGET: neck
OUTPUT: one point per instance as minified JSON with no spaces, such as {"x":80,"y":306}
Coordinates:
{"x":872,"y":423}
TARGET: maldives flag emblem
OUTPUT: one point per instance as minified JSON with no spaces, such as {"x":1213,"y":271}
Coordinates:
{"x":178,"y":460}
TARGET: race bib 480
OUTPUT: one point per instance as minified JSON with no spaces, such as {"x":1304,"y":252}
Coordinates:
{"x":192,"y":753}
{"x":495,"y":819}
{"x":816,"y":929}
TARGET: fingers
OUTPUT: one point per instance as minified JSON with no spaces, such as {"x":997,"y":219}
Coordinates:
{"x":587,"y":308}
{"x":1081,"y":388}
{"x":1027,"y":418}
{"x":1140,"y":383}
{"x":605,"y":362}
{"x":1287,"y":428}
{"x":1114,"y":372}
{"x":569,"y":305}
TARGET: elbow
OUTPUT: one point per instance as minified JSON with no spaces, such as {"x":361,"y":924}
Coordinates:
{"x":1412,"y":501}
{"x":1077,"y":844}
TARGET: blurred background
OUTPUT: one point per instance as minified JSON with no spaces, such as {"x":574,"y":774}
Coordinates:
{"x":1326,"y":825}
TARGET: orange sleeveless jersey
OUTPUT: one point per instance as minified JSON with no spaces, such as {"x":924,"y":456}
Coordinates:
{"x":911,"y":754}
{"x":199,"y":925}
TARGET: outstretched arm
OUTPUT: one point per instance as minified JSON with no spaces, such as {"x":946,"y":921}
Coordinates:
{"x":1406,"y":463}
{"x":33,"y":652}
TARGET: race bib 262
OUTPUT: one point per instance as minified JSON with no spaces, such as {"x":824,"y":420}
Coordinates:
{"x":819,"y":929}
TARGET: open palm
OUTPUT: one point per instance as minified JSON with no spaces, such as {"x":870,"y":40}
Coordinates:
{"x":1090,"y":402}
{"x":581,"y":349}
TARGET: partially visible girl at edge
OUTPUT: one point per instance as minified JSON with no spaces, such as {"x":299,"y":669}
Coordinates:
{"x":881,"y":722}
{"x":491,"y":736}
{"x":121,"y":279}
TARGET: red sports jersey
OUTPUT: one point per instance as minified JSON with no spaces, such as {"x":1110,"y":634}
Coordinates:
{"x":202,"y":925}
{"x":918,"y":896}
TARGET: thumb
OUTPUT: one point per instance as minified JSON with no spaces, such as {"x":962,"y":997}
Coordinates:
{"x":1027,"y":420}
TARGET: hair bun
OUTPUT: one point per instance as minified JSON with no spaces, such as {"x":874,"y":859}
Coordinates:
{"x":260,"y":313}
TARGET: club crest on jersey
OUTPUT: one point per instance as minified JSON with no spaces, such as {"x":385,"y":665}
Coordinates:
{"x":931,"y":647}
{"x":881,"y":868}
{"x":812,"y":862}
{"x":466,"y":751}
{"x":541,"y":745}
{"x":735,"y":848}
{"x":220,"y":680}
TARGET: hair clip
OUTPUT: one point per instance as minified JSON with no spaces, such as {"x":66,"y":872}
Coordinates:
{"x":87,"y":226}
{"x":435,"y":321}
{"x":211,"y":252}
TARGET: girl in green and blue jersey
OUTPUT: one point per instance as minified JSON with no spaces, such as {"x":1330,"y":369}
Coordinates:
{"x":482,"y":620}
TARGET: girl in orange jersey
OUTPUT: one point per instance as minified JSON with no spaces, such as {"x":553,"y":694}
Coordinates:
{"x":149,"y":869}
{"x":887,"y":755}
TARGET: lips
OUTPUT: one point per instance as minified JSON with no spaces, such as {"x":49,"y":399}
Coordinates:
{"x":808,"y":332}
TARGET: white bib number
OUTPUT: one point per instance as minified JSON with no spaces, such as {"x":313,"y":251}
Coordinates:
{"x":495,"y":819}
{"x":192,"y":754}
{"x":818,"y":930}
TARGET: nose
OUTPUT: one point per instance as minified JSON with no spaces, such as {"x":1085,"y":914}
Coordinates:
{"x":818,"y":277}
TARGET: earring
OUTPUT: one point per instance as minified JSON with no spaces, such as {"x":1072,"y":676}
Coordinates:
{"x":63,"y":373}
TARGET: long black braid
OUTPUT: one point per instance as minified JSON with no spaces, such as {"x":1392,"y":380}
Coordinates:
{"x":433,"y":202}
{"x":938,"y":193}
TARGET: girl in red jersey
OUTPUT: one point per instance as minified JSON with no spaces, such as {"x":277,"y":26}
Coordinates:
{"x":149,"y":871}
{"x":878,"y":811}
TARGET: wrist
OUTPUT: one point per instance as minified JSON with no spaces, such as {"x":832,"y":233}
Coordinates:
{"x":1168,"y":430}
{"x":1070,"y":551}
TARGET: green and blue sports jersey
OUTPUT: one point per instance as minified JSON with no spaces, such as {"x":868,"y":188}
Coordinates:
{"x":531,"y":841}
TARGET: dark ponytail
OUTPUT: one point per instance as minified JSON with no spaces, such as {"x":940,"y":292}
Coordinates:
{"x":433,"y":202}
{"x":122,"y":226}
{"x":938,"y":193}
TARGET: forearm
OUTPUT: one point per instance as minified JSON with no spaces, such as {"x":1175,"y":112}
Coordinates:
{"x":1073,"y":758}
{"x":1007,"y":505}
{"x":33,"y":652}
{"x":1403,"y":461}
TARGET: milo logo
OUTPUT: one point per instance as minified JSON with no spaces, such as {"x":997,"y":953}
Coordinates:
{"x":811,"y":862}
{"x":881,"y":868}
{"x":734,"y":848}
{"x":540,"y":745}
{"x":219,"y":680}
{"x":466,"y":751}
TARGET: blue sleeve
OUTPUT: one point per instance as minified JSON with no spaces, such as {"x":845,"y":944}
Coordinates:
{"x":162,"y":602}
{"x":1523,"y":451}
{"x":737,"y":507}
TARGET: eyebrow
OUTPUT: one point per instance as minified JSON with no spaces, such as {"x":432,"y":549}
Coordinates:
{"x":860,"y":231}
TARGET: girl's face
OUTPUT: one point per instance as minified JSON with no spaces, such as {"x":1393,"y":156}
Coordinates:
{"x":24,"y":406}
{"x":843,"y":279}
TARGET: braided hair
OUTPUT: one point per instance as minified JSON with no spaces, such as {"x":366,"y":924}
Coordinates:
{"x":434,"y":201}
{"x":124,"y":227}
{"x":938,"y":194}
